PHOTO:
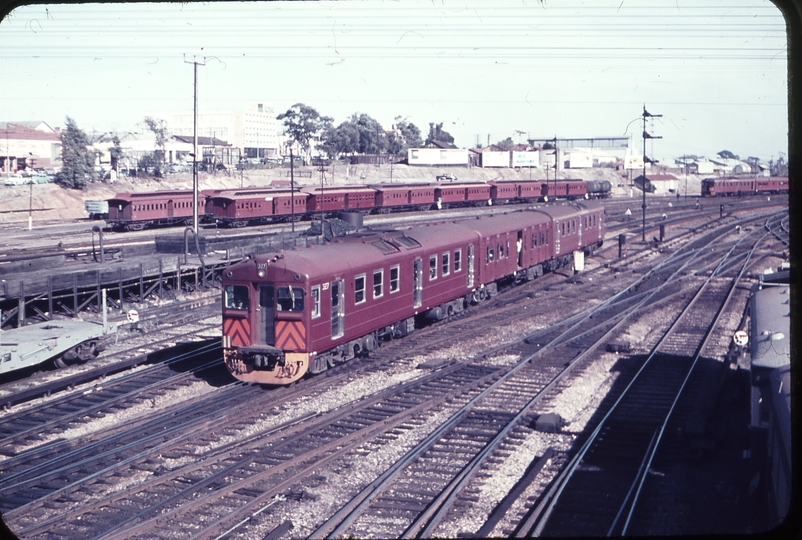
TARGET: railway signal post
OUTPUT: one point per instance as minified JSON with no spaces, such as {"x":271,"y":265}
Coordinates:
{"x":646,"y":135}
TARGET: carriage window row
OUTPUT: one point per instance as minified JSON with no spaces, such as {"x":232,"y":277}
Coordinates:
{"x":160,"y":206}
{"x":378,"y":285}
{"x":445,"y":264}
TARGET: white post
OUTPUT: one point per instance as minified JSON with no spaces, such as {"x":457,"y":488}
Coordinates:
{"x":105,"y":314}
{"x":579,"y":261}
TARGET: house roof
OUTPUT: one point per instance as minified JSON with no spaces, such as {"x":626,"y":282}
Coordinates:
{"x":439,"y":144}
{"x":658,"y":177}
{"x":25,"y":132}
{"x":33,"y":124}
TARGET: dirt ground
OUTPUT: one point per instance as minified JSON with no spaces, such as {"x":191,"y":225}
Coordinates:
{"x":49,"y":202}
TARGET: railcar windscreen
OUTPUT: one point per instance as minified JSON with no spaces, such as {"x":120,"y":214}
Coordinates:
{"x":289,"y":298}
{"x":236,"y":297}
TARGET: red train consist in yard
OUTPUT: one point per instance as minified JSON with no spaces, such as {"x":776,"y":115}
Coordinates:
{"x":240,"y":207}
{"x":735,"y":186}
{"x":304,"y":310}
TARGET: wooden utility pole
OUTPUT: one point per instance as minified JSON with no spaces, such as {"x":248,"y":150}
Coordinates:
{"x":195,"y":147}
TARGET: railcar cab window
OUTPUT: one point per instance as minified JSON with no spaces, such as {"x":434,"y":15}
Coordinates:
{"x":490,"y":253}
{"x":237,"y":297}
{"x":289,"y":299}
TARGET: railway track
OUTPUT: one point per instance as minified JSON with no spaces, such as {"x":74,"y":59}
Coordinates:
{"x":601,"y":490}
{"x":232,"y":462}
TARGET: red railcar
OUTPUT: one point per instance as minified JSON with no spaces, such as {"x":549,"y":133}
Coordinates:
{"x":304,"y":310}
{"x":772,"y":184}
{"x":135,"y":211}
{"x":737,"y":186}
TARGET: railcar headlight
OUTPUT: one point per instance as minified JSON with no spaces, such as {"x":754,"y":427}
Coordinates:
{"x":261,"y":273}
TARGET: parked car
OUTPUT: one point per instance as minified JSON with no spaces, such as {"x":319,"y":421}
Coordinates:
{"x":448,"y":177}
{"x":13,"y":179}
{"x":40,"y":178}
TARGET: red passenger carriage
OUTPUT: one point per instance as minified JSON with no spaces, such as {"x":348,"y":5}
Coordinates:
{"x":238,"y":208}
{"x":406,"y":197}
{"x":563,"y":189}
{"x":135,"y":211}
{"x":462,"y":194}
{"x":735,"y":186}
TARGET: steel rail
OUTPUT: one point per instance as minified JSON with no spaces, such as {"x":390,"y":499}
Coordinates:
{"x":348,"y":513}
{"x":708,"y":334}
{"x":437,"y":510}
{"x":536,"y":520}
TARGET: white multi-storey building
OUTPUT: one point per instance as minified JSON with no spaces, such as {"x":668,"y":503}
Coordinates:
{"x":252,"y":129}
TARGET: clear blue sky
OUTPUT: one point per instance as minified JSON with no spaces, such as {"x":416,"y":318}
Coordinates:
{"x":715,"y":70}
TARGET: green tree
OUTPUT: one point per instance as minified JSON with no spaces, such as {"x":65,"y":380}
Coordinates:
{"x":115,"y":153}
{"x":77,"y":157}
{"x":405,"y":135}
{"x":371,"y":139}
{"x":437,"y":133}
{"x":505,"y":145}
{"x":158,"y":158}
{"x":340,"y":140}
{"x":304,"y":122}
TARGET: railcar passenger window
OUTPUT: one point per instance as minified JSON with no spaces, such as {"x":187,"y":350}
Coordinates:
{"x":359,"y":289}
{"x":236,"y":297}
{"x":290,"y":299}
{"x":457,"y":260}
{"x":432,"y":267}
{"x":316,"y":301}
{"x":446,"y":266}
{"x":490,"y":252}
{"x":378,"y":283}
{"x":500,"y":251}
{"x":394,"y":279}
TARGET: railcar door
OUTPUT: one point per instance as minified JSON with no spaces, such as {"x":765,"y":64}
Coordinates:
{"x":417,"y":291}
{"x":337,"y":308}
{"x":471,"y":258}
{"x":266,"y":312}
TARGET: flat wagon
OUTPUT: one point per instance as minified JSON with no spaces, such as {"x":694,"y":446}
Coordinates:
{"x":64,"y":342}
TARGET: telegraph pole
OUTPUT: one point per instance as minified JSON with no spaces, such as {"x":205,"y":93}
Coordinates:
{"x":292,"y":191}
{"x":195,"y":147}
{"x":646,"y":115}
